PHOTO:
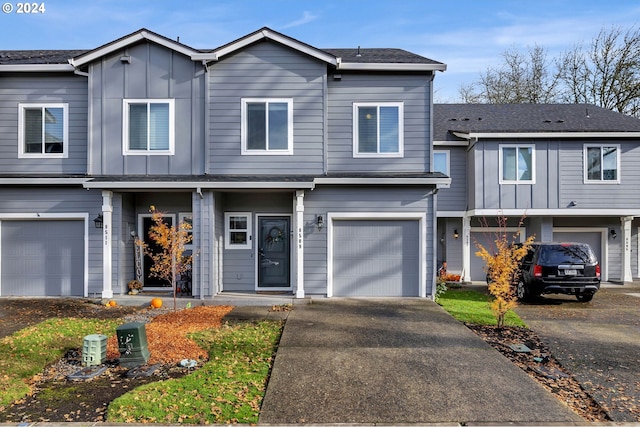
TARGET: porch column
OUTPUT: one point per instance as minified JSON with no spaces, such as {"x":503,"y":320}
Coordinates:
{"x":466,"y":248}
{"x":626,"y":275}
{"x":107,"y":246}
{"x":299,"y":243}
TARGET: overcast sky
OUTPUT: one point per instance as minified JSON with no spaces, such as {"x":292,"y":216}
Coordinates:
{"x":467,"y":35}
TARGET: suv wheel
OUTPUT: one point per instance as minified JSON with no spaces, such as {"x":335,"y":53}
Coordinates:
{"x":521,"y":291}
{"x":584,"y":297}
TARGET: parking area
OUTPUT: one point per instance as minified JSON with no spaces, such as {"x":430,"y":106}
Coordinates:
{"x":598,"y":341}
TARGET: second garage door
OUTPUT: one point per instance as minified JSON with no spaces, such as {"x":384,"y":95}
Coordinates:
{"x":376,"y":258}
{"x":42,"y":258}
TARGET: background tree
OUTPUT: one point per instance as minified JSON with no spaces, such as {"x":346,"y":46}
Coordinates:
{"x":168,"y":259}
{"x":502,"y":269}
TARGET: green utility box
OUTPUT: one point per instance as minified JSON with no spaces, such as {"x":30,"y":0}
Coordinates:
{"x":94,"y":350}
{"x":132,"y":343}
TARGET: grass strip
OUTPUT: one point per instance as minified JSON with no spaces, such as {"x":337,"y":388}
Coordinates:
{"x":228,"y":389}
{"x":27,"y":352}
{"x":470,"y":306}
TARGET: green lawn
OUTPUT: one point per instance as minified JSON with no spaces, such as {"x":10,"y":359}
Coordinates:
{"x":474,"y":307}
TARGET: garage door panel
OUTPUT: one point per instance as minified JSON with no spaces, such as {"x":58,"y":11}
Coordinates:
{"x":376,"y":258}
{"x":42,"y":258}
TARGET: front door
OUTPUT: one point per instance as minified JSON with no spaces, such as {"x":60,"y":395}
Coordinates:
{"x":274,"y":252}
{"x":149,"y":280}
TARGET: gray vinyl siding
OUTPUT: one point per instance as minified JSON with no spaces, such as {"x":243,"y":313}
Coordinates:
{"x":413,"y":90}
{"x":454,"y":198}
{"x":124,"y":211}
{"x":204,"y":244}
{"x":239,"y":265}
{"x":43,"y":88}
{"x":266,"y":70}
{"x":324,"y":199}
{"x":154,"y":73}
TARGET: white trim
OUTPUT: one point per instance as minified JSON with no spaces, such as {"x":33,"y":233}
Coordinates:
{"x":32,"y":68}
{"x":421,"y":217}
{"x":298,"y":241}
{"x":356,"y":136}
{"x":43,"y":181}
{"x":386,"y":66}
{"x":72,"y":216}
{"x":585,"y":168}
{"x":65,"y":130}
{"x":452,"y":143}
{"x":227,"y":231}
{"x":126,"y":151}
{"x":257,"y":256}
{"x":199,"y":184}
{"x":447,"y":154}
{"x":244,"y":133}
{"x":544,"y":135}
{"x":554,"y":212}
{"x":501,"y":165}
{"x":438,"y":182}
{"x":604,"y":246}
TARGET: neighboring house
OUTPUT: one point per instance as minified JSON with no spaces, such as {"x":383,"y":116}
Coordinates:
{"x":302,"y":170}
{"x":568,"y":172}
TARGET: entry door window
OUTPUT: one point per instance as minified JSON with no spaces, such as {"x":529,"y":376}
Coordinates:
{"x":274,"y":252}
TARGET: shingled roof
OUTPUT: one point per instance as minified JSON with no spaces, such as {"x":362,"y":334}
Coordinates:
{"x":14,"y":57}
{"x":527,"y":118}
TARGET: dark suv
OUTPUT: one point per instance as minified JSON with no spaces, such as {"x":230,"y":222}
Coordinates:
{"x":559,"y":268}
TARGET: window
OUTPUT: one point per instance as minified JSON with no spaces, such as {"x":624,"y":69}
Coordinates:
{"x":43,"y":130}
{"x":148,"y":126}
{"x":601,"y":163}
{"x":267,"y":126}
{"x":378,"y":129}
{"x":441,"y":161}
{"x":237,"y":230}
{"x":517,"y":164}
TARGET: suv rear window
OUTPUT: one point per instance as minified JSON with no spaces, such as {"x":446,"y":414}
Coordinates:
{"x":566,"y":254}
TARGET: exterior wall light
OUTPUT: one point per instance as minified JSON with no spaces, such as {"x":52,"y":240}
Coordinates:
{"x":319,"y":222}
{"x":98,"y":221}
{"x":613,"y":234}
{"x":455,"y":233}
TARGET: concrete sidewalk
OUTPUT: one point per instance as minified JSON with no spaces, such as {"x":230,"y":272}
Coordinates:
{"x":396,"y":361}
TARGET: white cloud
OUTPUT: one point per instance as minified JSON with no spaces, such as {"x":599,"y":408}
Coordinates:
{"x":306,"y":18}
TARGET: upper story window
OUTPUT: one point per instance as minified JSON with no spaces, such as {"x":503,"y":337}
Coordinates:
{"x":441,"y":161}
{"x":517,"y":164}
{"x":148,"y":126}
{"x":267,"y":126}
{"x":43,"y":130}
{"x":378,"y":129}
{"x":602,"y":163}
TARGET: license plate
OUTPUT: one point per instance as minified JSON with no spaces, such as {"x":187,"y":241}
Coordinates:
{"x":571,"y":272}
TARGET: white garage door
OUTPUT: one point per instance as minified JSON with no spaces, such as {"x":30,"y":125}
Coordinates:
{"x":376,"y":258}
{"x":42,"y":258}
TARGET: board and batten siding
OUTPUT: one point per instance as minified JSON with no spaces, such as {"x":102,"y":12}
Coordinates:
{"x":336,"y":199}
{"x":266,"y":70}
{"x":454,"y":197}
{"x":43,"y":88}
{"x":412,"y":90}
{"x":155,"y":72}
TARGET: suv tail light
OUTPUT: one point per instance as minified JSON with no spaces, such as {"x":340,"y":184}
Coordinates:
{"x":598,"y":271}
{"x":537,"y":270}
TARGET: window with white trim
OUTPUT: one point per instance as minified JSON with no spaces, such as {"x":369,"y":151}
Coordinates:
{"x":378,"y":129}
{"x":601,"y":163}
{"x":267,"y":126}
{"x":43,"y":130}
{"x":441,"y":161}
{"x":237,"y":230}
{"x":517,"y":164}
{"x":148,"y":126}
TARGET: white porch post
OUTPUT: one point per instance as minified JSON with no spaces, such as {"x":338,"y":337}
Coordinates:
{"x":299,"y":243}
{"x":466,"y":249}
{"x":107,"y":247}
{"x":626,"y":275}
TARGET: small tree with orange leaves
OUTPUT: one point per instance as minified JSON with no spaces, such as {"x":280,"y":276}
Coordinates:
{"x":168,"y":258}
{"x":503,"y":268}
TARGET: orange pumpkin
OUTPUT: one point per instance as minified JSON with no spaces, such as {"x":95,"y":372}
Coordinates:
{"x":156,"y":303}
{"x":112,"y":303}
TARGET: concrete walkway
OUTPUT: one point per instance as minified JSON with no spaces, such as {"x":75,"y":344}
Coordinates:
{"x":396,"y":361}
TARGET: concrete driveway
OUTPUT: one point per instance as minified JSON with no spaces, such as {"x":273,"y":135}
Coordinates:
{"x":598,"y":341}
{"x":396,"y":361}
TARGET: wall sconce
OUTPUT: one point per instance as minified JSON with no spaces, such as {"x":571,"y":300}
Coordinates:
{"x":319,"y":222}
{"x":573,"y":203}
{"x":98,"y":221}
{"x":613,"y":234}
{"x":455,"y":233}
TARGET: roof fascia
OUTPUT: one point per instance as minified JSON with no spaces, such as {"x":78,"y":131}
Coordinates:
{"x":43,"y":181}
{"x":127,"y":41}
{"x":438,"y":182}
{"x":554,"y":212}
{"x":266,"y":34}
{"x":198,"y":184}
{"x":451,"y":143}
{"x":388,"y":66}
{"x":542,"y":135}
{"x":38,"y":68}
